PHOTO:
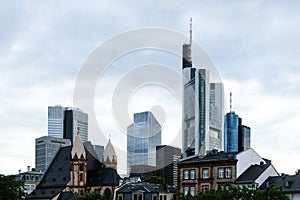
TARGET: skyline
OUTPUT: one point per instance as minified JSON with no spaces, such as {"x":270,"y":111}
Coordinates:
{"x":253,"y":45}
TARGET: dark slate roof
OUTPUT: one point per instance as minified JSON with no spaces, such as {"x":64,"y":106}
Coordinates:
{"x":288,"y":183}
{"x":213,"y":156}
{"x":146,"y":187}
{"x":58,"y":174}
{"x":66,"y":196}
{"x":251,"y":174}
{"x":101,"y":177}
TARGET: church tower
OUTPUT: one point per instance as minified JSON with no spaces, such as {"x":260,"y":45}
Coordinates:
{"x":109,"y":156}
{"x":78,"y":167}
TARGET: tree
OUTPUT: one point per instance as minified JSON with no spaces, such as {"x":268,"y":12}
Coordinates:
{"x":90,"y":196}
{"x":155,"y":179}
{"x":239,"y":193}
{"x":10,"y":188}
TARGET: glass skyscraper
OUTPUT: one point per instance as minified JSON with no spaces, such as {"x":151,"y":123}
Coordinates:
{"x":143,"y":135}
{"x":63,"y":122}
{"x":231,"y":129}
{"x":244,"y":138}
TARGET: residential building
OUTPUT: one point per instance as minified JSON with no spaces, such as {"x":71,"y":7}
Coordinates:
{"x":143,"y":135}
{"x":109,"y":156}
{"x":145,"y":191}
{"x":216,"y":170}
{"x":166,"y":165}
{"x":290,"y":185}
{"x":30,"y":178}
{"x":63,"y":122}
{"x":257,"y":173}
{"x":46,"y":148}
{"x":99,"y":151}
{"x":76,"y":169}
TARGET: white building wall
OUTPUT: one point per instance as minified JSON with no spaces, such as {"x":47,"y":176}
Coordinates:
{"x":270,"y":171}
{"x":246,"y":159}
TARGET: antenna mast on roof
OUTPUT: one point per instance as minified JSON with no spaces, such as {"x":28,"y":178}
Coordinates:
{"x":230,"y":101}
{"x":191,"y":31}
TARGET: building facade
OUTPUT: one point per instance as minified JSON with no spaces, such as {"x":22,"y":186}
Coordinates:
{"x":143,"y":135}
{"x":63,"y":122}
{"x":166,"y":166}
{"x":231,"y":129}
{"x":46,"y":148}
{"x":99,"y":151}
{"x":244,"y":138}
{"x":31,"y":179}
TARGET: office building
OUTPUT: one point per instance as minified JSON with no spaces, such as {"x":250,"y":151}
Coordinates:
{"x":202,"y":120}
{"x":166,"y":163}
{"x":244,"y":137}
{"x":75,"y":120}
{"x":99,"y":151}
{"x":63,"y":122}
{"x":143,"y":135}
{"x":46,"y":148}
{"x":216,"y":115}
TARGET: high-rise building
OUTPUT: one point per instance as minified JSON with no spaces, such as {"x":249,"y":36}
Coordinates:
{"x":143,"y":135}
{"x":166,"y":163}
{"x":75,"y":120}
{"x":99,"y":151}
{"x":236,"y":135}
{"x":46,"y":148}
{"x":216,"y":115}
{"x":63,"y":122}
{"x":202,"y":108}
{"x":56,"y":116}
{"x":231,"y":129}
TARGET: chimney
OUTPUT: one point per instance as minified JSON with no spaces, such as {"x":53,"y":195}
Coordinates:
{"x":28,"y":168}
{"x":19,"y":171}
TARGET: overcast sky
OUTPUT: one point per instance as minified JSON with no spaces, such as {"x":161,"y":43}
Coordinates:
{"x":254,"y":45}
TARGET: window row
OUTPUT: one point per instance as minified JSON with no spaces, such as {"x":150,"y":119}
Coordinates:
{"x":225,"y":172}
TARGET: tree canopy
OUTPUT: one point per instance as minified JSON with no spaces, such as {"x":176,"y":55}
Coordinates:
{"x":155,"y":179}
{"x":90,"y":196}
{"x":239,"y":193}
{"x":10,"y":188}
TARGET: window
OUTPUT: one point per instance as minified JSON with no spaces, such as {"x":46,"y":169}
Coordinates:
{"x":186,"y":174}
{"x":205,"y":187}
{"x":120,"y":197}
{"x":186,"y":190}
{"x":138,"y":196}
{"x":163,"y":197}
{"x":192,"y":174}
{"x":80,"y":177}
{"x":221,"y":173}
{"x":81,"y":167}
{"x":228,"y":172}
{"x":192,"y":191}
{"x":154,"y":197}
{"x":205,"y":173}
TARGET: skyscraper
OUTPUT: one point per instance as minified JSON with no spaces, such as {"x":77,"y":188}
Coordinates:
{"x":63,"y":122}
{"x":143,"y":135}
{"x":236,"y":135}
{"x":231,"y":129}
{"x":202,"y":108}
{"x":216,"y":115}
{"x":46,"y":148}
{"x":75,"y":120}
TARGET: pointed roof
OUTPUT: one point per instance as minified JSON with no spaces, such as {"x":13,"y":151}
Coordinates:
{"x":109,"y":152}
{"x":78,"y":148}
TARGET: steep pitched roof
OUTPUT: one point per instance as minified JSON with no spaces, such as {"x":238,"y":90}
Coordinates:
{"x":109,"y":153}
{"x":289,"y":184}
{"x":251,"y":174}
{"x":78,"y":148}
{"x":100,"y":177}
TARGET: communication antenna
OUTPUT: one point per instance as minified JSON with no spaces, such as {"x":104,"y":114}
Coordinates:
{"x":191,"y":31}
{"x":230,"y":101}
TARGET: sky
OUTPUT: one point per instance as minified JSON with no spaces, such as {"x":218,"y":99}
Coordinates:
{"x":254,"y":45}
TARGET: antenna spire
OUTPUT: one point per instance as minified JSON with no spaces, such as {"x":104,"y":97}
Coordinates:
{"x":191,"y":31}
{"x":230,"y":101}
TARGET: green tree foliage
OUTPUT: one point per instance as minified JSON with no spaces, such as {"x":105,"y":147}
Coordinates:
{"x":155,"y":179}
{"x":90,"y":196}
{"x":10,"y":188}
{"x":239,"y":193}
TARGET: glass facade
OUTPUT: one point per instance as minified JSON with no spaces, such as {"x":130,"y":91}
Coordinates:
{"x":244,"y":138}
{"x":231,"y":126}
{"x":46,"y":148}
{"x":142,"y":138}
{"x":64,"y":121}
{"x":99,"y":151}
